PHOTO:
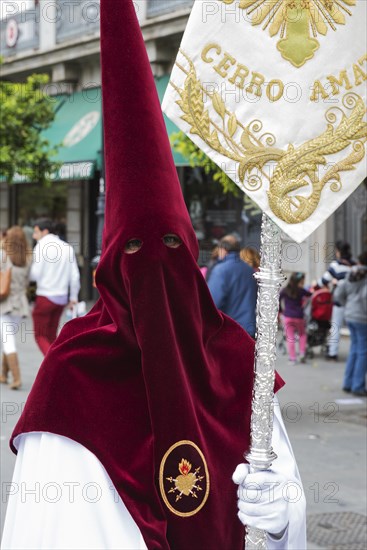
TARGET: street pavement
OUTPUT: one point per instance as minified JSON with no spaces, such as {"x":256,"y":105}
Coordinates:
{"x":326,"y":426}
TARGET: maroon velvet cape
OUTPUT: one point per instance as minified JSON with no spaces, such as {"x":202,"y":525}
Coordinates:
{"x":154,"y":363}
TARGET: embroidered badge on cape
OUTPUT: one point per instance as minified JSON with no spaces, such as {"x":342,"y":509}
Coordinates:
{"x":184,"y":479}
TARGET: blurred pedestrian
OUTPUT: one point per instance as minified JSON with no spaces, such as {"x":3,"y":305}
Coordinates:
{"x":16,"y":257}
{"x":292,"y":302}
{"x":336,"y":272}
{"x":2,"y":237}
{"x":56,"y":273}
{"x":233,"y":286}
{"x":352,"y":294}
{"x":204,"y":270}
{"x":250,"y":255}
{"x":214,"y":256}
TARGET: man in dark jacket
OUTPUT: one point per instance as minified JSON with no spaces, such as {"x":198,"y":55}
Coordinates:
{"x":233,"y":286}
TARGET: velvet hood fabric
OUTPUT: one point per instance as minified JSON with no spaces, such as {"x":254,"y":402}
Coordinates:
{"x":155,"y":381}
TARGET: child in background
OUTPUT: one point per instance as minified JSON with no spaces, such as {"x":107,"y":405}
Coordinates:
{"x":292,"y":301}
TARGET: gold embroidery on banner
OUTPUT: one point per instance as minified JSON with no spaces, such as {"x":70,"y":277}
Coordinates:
{"x":296,"y":168}
{"x":299,"y":167}
{"x":296,"y":21}
{"x":249,"y":151}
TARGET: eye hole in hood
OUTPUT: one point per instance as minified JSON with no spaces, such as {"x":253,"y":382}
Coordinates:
{"x":132,"y":246}
{"x":172,"y":241}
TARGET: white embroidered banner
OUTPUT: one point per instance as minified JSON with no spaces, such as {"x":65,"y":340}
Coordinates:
{"x":274,"y":92}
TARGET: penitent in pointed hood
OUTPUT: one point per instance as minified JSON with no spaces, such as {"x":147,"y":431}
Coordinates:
{"x":144,"y":193}
{"x":144,"y":201}
{"x":155,"y":381}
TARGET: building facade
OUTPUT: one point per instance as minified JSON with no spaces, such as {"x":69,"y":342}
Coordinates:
{"x":61,"y":38}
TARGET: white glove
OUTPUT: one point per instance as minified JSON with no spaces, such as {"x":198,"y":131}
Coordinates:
{"x":262,"y":499}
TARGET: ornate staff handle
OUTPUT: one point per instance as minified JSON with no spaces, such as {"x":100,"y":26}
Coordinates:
{"x":270,"y":279}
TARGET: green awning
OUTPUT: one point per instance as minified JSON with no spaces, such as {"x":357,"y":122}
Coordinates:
{"x":162,"y":84}
{"x":77,"y":131}
{"x":78,"y":127}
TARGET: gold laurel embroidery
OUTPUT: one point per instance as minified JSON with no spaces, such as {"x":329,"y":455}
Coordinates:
{"x":254,"y":182}
{"x":296,"y":168}
{"x":249,"y":152}
{"x":295,"y":21}
{"x":299,"y":167}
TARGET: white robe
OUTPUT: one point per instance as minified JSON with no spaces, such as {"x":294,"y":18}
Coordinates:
{"x":61,"y":498}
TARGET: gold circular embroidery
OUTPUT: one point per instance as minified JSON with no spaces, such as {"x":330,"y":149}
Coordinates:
{"x":192,"y":481}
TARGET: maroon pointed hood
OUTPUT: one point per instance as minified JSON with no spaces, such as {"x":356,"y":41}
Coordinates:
{"x":155,"y":381}
{"x":144,"y":195}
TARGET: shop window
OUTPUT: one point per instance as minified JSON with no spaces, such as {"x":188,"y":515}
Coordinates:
{"x":35,"y":201}
{"x":215,"y":213}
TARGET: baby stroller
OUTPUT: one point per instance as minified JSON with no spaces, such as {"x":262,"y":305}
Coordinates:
{"x":318,"y":316}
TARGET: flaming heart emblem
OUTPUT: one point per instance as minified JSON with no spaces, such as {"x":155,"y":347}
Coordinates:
{"x":184,"y":479}
{"x":188,"y":482}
